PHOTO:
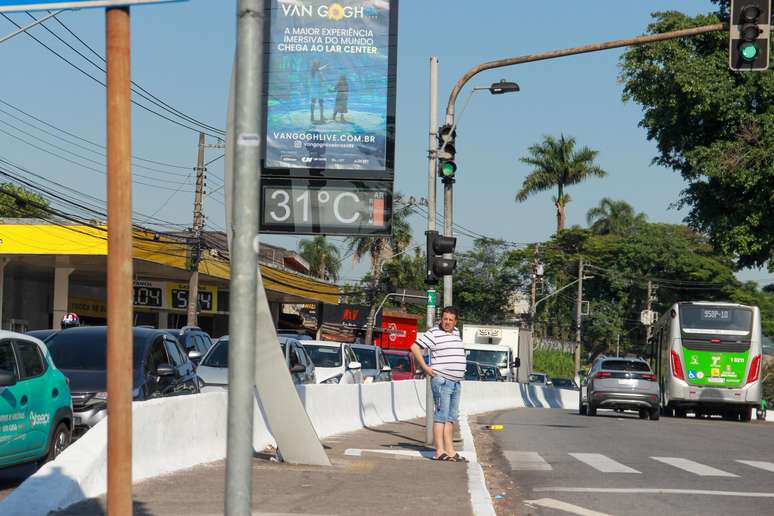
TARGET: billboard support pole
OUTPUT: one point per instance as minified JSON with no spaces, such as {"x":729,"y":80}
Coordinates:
{"x":119,"y":261}
{"x":431,"y":192}
{"x":244,"y":258}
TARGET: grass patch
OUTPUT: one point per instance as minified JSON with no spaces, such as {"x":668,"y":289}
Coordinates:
{"x":554,"y":363}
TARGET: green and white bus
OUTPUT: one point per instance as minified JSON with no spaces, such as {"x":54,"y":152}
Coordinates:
{"x":708,"y":359}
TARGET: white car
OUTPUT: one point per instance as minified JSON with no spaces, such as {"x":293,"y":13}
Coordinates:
{"x":334,"y":362}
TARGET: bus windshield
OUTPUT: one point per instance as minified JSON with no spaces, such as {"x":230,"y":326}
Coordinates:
{"x":496,"y":358}
{"x":715,"y":319}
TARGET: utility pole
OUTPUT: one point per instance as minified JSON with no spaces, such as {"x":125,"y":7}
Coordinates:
{"x":196,"y":248}
{"x":578,"y":315}
{"x":647,"y":307}
{"x":432,"y":154}
{"x":533,"y":296}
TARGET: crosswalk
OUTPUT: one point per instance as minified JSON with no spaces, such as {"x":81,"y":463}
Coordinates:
{"x":534,"y":461}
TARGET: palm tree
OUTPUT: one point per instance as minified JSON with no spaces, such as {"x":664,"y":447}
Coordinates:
{"x":557,"y":164}
{"x":616,"y":217}
{"x":323,"y":257}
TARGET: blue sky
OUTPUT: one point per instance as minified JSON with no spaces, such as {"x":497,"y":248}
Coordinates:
{"x":182,"y":53}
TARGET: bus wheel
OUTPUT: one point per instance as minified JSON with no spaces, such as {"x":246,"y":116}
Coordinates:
{"x":654,"y":413}
{"x":745,"y":414}
{"x":667,"y":411}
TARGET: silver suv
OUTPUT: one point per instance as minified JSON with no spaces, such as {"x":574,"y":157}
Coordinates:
{"x":622,"y":384}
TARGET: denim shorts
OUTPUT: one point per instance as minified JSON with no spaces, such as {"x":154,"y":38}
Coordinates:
{"x":446,"y":396}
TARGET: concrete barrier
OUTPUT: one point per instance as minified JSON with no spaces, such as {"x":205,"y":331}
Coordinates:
{"x":172,"y":434}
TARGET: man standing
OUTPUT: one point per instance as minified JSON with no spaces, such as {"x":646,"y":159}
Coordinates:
{"x":447,"y":357}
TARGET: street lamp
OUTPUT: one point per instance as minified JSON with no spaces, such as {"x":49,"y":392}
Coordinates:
{"x":498,"y":88}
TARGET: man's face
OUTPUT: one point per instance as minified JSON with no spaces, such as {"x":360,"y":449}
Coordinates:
{"x":448,"y":321}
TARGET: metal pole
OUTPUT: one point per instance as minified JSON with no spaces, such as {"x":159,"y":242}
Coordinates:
{"x":448,"y":213}
{"x":244,"y":258}
{"x":196,"y":248}
{"x":648,"y":307}
{"x":533,"y":294}
{"x":119,"y":261}
{"x":432,"y":147}
{"x":578,"y":315}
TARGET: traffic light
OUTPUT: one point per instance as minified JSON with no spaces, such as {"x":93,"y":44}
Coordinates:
{"x":437,"y":265}
{"x":749,"y":34}
{"x":446,"y":152}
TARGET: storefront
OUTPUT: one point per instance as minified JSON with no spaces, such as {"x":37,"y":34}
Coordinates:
{"x":47,"y":270}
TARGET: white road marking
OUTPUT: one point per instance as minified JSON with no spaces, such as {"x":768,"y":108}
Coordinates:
{"x":526,"y":461}
{"x":603,"y":463}
{"x":480,"y":499}
{"x":694,"y":467}
{"x":426,"y":454}
{"x":550,"y":503}
{"x":635,"y":490}
{"x":768,"y":466}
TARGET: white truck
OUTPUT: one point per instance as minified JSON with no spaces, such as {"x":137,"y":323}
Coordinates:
{"x":498,"y":345}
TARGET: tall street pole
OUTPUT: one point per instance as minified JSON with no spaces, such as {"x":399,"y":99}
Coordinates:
{"x":432,"y":157}
{"x":578,"y":315}
{"x":448,"y":214}
{"x":196,"y":248}
{"x":648,"y":307}
{"x":119,"y":261}
{"x":244,"y":258}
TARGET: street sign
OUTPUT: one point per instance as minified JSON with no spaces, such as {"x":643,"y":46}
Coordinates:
{"x":648,"y":317}
{"x":308,"y":206}
{"x":431,"y":298}
{"x":16,"y":5}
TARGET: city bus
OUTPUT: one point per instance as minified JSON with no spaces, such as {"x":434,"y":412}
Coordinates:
{"x":707,"y":356}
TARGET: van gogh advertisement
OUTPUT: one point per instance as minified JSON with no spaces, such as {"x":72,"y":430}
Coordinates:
{"x":327,"y":95}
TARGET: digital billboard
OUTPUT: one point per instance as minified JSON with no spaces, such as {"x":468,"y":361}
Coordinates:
{"x":329,"y":96}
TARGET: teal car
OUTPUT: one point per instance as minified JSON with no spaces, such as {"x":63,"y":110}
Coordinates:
{"x":36,"y":414}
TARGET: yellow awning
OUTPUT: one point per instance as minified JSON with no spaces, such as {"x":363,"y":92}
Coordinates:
{"x":53,"y":239}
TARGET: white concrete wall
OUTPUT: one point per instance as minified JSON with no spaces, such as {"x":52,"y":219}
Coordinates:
{"x":172,"y":434}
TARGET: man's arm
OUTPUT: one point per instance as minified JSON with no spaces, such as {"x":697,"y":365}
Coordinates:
{"x":417,"y":351}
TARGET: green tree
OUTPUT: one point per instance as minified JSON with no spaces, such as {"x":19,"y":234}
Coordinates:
{"x":485,"y":282}
{"x":611,"y":216}
{"x":713,"y":126}
{"x":556,"y":163}
{"x":323,"y":257}
{"x":16,"y":202}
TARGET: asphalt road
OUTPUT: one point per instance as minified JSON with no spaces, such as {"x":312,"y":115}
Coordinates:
{"x":558,"y":462}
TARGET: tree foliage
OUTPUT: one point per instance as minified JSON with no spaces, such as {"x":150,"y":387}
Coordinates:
{"x":611,"y":216}
{"x":16,"y":202}
{"x":713,"y":126}
{"x":323,"y":257}
{"x":556,"y":163}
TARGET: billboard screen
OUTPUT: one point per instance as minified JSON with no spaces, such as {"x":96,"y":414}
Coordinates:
{"x":330,"y":87}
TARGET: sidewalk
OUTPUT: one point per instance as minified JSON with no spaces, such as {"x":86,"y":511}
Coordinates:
{"x":374,"y":471}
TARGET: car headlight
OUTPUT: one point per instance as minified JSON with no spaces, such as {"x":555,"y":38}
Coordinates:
{"x":101,"y":396}
{"x":333,"y":379}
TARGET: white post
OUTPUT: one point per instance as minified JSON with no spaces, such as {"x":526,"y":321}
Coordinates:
{"x":61,"y":294}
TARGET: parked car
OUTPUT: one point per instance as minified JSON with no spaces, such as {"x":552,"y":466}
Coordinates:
{"x":35,"y":404}
{"x":374,"y":366}
{"x":194,"y":341}
{"x":295,"y":334}
{"x":620,"y":383}
{"x":159,"y":368}
{"x":539,"y":378}
{"x":43,"y":335}
{"x":564,"y":383}
{"x":402,"y":365}
{"x":335,"y":362}
{"x":473,"y":371}
{"x":213,"y":367}
{"x":490,"y":373}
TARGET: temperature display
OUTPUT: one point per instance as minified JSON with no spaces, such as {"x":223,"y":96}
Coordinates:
{"x":326,"y":207}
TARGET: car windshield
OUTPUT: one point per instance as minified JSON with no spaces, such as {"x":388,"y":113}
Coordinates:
{"x":86,"y":351}
{"x":537,"y":378}
{"x":489,"y":372}
{"x":324,"y":356}
{"x":399,"y":363}
{"x":496,"y":358}
{"x":218,"y":355}
{"x":625,"y":365}
{"x":366,"y":357}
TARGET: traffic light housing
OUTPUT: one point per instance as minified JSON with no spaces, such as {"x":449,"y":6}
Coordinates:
{"x":749,"y":35}
{"x":446,"y":151}
{"x":437,"y":265}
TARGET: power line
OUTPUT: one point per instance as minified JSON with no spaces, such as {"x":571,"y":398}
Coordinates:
{"x":98,"y":81}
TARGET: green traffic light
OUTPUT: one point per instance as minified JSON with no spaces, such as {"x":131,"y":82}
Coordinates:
{"x":749,"y":51}
{"x":448,"y":168}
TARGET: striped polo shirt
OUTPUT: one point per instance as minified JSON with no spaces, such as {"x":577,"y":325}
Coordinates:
{"x":447,"y":355}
